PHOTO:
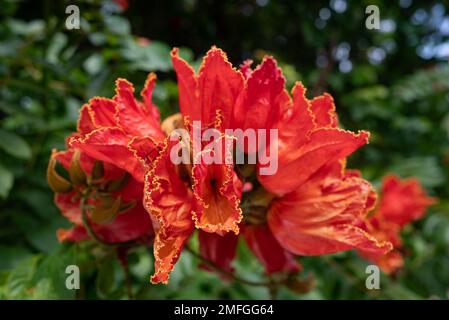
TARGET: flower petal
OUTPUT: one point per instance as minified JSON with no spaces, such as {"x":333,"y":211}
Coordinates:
{"x":169,"y":203}
{"x":324,"y":146}
{"x":187,"y":87}
{"x":324,"y":216}
{"x":135,"y":118}
{"x":219,"y":86}
{"x":128,"y":225}
{"x":110,"y":145}
{"x":323,"y":109}
{"x":147,"y":95}
{"x":268,"y":250}
{"x":217,"y":190}
{"x":261,"y":105}
{"x":403,"y":201}
{"x":220,"y":250}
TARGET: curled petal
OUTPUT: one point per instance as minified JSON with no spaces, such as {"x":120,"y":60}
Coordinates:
{"x":103,"y":112}
{"x":268,"y":250}
{"x":323,"y":109}
{"x":324,"y":216}
{"x":264,"y":98}
{"x":324,"y":146}
{"x":187,"y":86}
{"x":169,"y":203}
{"x":85,"y":123}
{"x":298,"y":121}
{"x":110,"y":145}
{"x":219,"y":86}
{"x":99,"y":112}
{"x":168,"y":244}
{"x":146,"y":149}
{"x":147,"y":95}
{"x":135,"y":118}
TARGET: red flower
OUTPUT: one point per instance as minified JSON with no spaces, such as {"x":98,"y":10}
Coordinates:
{"x":114,"y":208}
{"x":106,"y":128}
{"x":402,"y":202}
{"x":316,"y":207}
{"x":220,"y":97}
{"x":310,"y":206}
{"x":319,"y":207}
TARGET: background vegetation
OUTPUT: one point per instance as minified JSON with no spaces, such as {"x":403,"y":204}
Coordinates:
{"x":393,"y":82}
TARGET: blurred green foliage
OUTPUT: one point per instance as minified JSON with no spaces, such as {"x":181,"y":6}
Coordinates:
{"x":393,"y":82}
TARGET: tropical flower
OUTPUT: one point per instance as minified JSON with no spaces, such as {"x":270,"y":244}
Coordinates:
{"x":318,"y":209}
{"x":401,"y":203}
{"x":311,"y":206}
{"x":106,"y":179}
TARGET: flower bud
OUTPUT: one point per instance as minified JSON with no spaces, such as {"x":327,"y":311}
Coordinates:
{"x":57,"y":183}
{"x":77,"y":175}
{"x":107,"y":212}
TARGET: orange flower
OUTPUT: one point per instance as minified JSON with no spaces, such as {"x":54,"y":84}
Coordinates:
{"x":319,"y":207}
{"x":314,"y":207}
{"x":106,"y":127}
{"x":402,"y":202}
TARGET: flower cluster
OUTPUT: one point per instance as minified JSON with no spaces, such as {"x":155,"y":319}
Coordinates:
{"x":123,"y":184}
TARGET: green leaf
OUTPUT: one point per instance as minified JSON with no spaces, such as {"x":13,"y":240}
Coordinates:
{"x":20,"y":279}
{"x":14,"y":145}
{"x":53,"y":268}
{"x":6,"y":181}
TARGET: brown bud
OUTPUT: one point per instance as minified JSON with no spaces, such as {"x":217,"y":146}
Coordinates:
{"x":77,"y":175}
{"x":107,"y":212}
{"x":57,"y":183}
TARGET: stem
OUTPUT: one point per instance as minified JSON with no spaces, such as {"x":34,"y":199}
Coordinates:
{"x":122,"y":254}
{"x":273,"y":290}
